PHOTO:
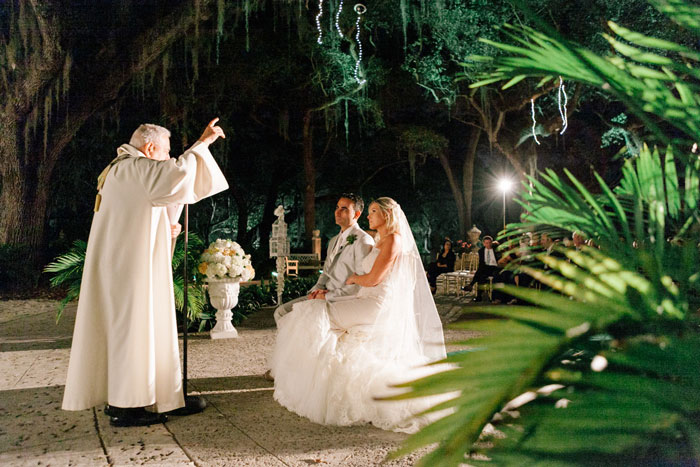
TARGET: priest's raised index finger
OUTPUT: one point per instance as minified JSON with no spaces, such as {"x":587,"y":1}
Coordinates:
{"x":213,"y":122}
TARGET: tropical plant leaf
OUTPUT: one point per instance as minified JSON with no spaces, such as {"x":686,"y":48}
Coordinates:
{"x":682,"y":12}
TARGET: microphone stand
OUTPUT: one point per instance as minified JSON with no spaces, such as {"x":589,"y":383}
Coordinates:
{"x":193,"y":404}
{"x":185,"y":317}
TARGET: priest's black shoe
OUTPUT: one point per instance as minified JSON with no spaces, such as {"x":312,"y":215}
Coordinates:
{"x":193,"y":405}
{"x":134,"y":416}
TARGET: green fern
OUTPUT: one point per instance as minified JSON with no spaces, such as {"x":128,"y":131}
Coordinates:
{"x":196,"y":296}
{"x":68,"y":270}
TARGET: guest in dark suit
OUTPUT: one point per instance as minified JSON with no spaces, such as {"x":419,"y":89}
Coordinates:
{"x":488,"y":262}
{"x":445,"y":262}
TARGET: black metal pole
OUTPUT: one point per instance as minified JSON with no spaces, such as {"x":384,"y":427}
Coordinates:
{"x":184,"y":308}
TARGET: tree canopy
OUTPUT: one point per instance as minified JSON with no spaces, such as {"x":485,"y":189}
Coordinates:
{"x":306,"y":121}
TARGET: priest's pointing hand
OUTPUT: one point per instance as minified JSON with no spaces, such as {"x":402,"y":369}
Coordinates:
{"x":212,"y":132}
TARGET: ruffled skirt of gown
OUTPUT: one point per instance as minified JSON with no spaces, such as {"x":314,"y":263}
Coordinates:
{"x":331,"y":375}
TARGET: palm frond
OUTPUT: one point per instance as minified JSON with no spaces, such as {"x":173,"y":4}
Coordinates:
{"x":196,"y":298}
{"x":682,"y":12}
{"x":639,"y":410}
{"x":516,"y":355}
{"x":69,"y":266}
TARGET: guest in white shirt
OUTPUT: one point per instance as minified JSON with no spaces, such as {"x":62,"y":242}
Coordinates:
{"x":488,"y":262}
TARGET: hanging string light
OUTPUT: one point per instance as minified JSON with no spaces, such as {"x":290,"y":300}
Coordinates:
{"x":562,"y":108}
{"x":360,"y":9}
{"x":337,"y":18}
{"x":534,"y":122}
{"x":318,"y":22}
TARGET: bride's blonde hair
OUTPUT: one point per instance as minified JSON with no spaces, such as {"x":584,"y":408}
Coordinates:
{"x":389,"y":209}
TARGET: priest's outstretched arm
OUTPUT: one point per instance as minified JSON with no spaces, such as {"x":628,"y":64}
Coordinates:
{"x":187,"y":179}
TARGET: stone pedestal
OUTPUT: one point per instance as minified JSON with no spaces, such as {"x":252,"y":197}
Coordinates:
{"x":223,"y":295}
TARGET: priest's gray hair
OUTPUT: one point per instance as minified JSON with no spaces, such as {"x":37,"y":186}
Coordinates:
{"x":149,"y":133}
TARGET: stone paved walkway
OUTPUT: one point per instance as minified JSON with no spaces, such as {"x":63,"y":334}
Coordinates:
{"x":243,"y":425}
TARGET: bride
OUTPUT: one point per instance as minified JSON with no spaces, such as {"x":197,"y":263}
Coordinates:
{"x":331,"y":359}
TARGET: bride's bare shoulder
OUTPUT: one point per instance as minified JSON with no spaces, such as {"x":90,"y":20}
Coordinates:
{"x":390,"y":241}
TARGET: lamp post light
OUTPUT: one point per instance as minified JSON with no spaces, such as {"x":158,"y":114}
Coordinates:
{"x":505,"y":185}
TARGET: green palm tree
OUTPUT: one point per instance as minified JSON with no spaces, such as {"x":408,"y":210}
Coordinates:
{"x":602,"y":369}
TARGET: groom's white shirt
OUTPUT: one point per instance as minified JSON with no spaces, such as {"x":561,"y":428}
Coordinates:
{"x":342,"y":260}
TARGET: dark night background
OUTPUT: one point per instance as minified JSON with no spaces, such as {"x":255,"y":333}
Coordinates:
{"x":300,"y":130}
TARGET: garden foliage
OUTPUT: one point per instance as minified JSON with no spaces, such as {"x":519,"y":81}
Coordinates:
{"x":67,"y":272}
{"x":602,"y":368}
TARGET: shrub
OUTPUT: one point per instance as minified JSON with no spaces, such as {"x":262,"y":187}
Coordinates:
{"x":15,"y":270}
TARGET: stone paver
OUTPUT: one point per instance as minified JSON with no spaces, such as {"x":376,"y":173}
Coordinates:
{"x":243,"y":425}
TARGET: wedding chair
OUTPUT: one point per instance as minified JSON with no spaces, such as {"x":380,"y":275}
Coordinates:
{"x":292,"y":267}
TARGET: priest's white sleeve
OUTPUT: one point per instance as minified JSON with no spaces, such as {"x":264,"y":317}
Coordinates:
{"x":185,"y":180}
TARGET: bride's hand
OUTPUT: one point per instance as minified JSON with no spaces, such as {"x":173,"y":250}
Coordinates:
{"x":351,"y":280}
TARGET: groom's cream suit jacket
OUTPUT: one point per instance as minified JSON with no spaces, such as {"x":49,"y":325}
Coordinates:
{"x":346,"y":261}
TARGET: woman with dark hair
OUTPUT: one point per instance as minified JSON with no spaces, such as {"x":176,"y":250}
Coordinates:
{"x":445,"y":262}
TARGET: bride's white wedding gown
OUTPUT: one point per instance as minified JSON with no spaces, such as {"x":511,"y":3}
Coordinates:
{"x":331,"y":359}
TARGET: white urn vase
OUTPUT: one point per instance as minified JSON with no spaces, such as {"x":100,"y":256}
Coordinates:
{"x":223,"y":295}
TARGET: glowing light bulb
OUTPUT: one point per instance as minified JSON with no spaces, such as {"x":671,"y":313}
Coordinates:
{"x":505,"y":184}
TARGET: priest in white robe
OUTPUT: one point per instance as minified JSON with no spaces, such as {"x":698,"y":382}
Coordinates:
{"x":125,"y":346}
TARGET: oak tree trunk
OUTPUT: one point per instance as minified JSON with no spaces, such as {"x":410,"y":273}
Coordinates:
{"x":468,"y":181}
{"x":28,"y":155}
{"x":456,"y":192}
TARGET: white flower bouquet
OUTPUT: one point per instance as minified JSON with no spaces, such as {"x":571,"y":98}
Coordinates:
{"x":226,"y":259}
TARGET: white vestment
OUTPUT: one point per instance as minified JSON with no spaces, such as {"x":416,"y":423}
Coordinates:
{"x":125,"y":348}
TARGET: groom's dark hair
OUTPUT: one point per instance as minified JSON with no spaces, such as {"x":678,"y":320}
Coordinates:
{"x":356,"y":200}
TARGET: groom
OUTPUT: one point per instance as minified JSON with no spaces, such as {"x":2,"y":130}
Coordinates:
{"x":344,"y":258}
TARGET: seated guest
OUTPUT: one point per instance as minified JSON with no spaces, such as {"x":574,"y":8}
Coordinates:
{"x":511,"y":275}
{"x":523,"y":254}
{"x":445,"y":262}
{"x":488,"y":263}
